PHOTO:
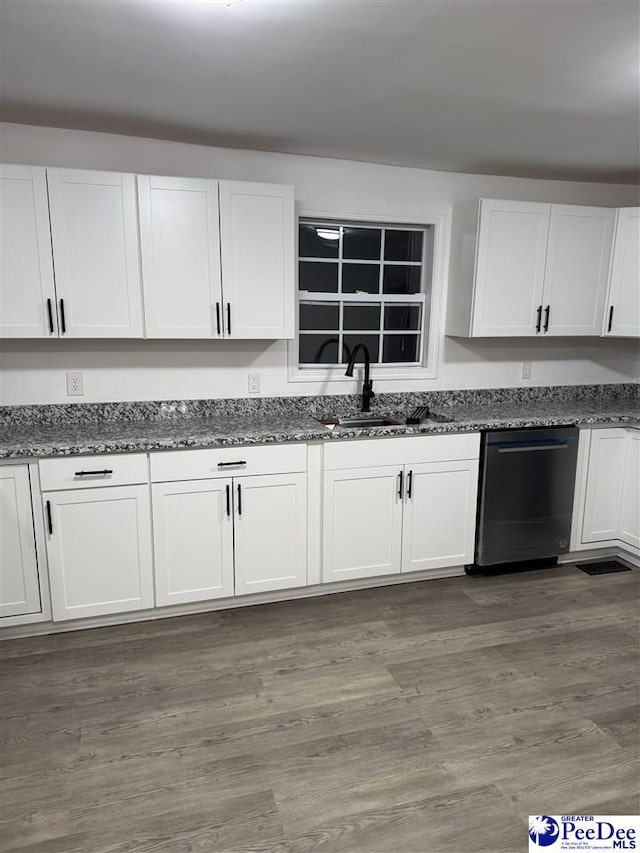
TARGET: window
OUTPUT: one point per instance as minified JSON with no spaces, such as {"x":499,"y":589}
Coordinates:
{"x":363,"y":283}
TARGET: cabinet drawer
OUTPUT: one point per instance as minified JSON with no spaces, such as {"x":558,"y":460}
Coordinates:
{"x":403,"y":450}
{"x":227,"y":461}
{"x":82,"y":472}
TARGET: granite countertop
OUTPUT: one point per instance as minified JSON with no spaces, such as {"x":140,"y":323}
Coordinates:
{"x":21,"y":439}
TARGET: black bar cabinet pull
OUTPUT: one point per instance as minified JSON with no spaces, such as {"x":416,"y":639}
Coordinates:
{"x":231,"y":464}
{"x":400,"y":483}
{"x":610,"y":319}
{"x":93,"y":473}
{"x":63,"y":322}
{"x":50,"y":316}
{"x":546,"y":318}
{"x":239,"y":499}
{"x":409,"y":484}
{"x":539,"y":320}
{"x":218,"y":317}
{"x":49,"y":519}
{"x":229,"y":317}
{"x":228,"y":491}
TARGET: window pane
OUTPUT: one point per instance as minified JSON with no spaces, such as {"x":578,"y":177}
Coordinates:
{"x":318,"y":349}
{"x":371,"y":342}
{"x":319,"y":278}
{"x":315,"y":241}
{"x":403,"y":245}
{"x":361,"y":317}
{"x":400,"y":317}
{"x":399,"y":279}
{"x":400,"y":348}
{"x":363,"y":244}
{"x":360,"y":277}
{"x":319,"y":315}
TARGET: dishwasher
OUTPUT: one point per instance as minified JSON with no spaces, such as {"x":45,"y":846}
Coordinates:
{"x":527,"y":481}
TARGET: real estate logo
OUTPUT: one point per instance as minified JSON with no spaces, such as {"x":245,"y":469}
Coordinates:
{"x":584,"y":833}
{"x":543,"y":830}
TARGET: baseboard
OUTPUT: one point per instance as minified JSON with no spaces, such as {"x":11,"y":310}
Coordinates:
{"x":36,"y":629}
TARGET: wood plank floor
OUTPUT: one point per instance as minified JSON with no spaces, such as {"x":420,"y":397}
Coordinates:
{"x":423,"y":718}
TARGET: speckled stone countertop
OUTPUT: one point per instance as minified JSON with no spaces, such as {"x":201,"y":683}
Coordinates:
{"x":37,"y":431}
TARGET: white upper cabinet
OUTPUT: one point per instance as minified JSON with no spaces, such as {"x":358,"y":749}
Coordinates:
{"x":622,"y":318}
{"x":510,"y":263}
{"x":94,"y":229}
{"x":180,"y":247}
{"x":27,"y":296}
{"x":577,"y":269}
{"x":257,"y":233}
{"x":541,"y":269}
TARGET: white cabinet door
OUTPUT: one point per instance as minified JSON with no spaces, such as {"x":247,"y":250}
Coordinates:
{"x":270,"y":532}
{"x":630,"y":516}
{"x":439,"y":515}
{"x":257,"y":233}
{"x":19,"y":583}
{"x":193,"y":541}
{"x":577,"y":269}
{"x":180,"y":247}
{"x":605,"y":481}
{"x":510,"y":263}
{"x":362,"y":535}
{"x":27,"y":296}
{"x":622,"y":318}
{"x":96,"y":253}
{"x":99,"y":548}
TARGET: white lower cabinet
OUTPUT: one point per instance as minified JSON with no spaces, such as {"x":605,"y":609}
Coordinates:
{"x":607,"y":503}
{"x":193,"y":540}
{"x":19,"y":580}
{"x":219,"y":537}
{"x":270,"y":532}
{"x":439,"y":515}
{"x":362,"y":522}
{"x":99,"y":550}
{"x":400,"y":518}
{"x":630,"y":514}
{"x":605,"y":481}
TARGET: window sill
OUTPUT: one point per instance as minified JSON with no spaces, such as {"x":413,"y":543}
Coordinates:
{"x":298,"y":374}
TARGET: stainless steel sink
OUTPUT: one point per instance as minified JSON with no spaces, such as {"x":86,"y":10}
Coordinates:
{"x":363,"y":421}
{"x":368,"y":421}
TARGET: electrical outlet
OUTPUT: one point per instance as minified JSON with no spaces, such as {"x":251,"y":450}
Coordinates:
{"x":526,"y":370}
{"x":253,"y":383}
{"x":75,"y":385}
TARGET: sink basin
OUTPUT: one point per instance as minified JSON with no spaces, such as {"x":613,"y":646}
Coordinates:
{"x":362,"y":421}
{"x":368,"y":421}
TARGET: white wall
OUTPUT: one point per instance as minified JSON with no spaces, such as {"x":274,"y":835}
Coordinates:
{"x":33,"y":372}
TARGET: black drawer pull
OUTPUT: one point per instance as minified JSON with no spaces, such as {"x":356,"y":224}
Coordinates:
{"x":228,"y":317}
{"x":50,"y":316}
{"x":400,"y":484}
{"x":63,"y":321}
{"x":239,"y":499}
{"x":49,"y":519}
{"x":409,"y":484}
{"x":228,"y":492}
{"x":231,"y":464}
{"x":546,"y":318}
{"x":610,"y":319}
{"x":539,"y":319}
{"x":218,"y":317}
{"x":92,"y":473}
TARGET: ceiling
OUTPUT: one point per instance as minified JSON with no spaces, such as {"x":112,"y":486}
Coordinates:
{"x":537,"y":88}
